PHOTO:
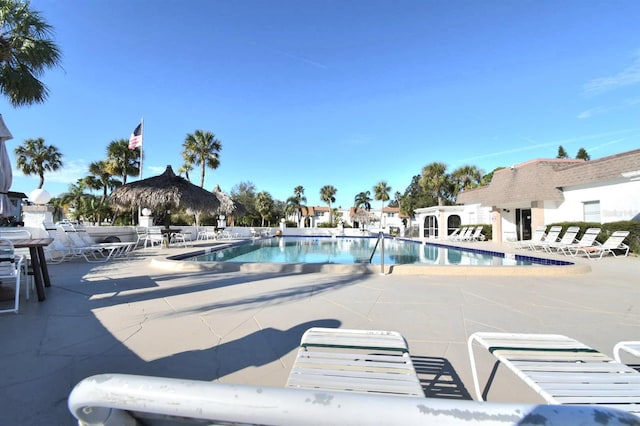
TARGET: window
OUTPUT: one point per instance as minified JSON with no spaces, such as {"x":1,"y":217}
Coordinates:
{"x":591,"y":211}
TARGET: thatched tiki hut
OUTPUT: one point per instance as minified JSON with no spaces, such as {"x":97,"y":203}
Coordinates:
{"x":163,"y":193}
{"x":228,"y":206}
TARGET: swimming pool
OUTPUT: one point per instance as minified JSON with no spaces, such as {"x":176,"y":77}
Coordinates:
{"x":363,"y":250}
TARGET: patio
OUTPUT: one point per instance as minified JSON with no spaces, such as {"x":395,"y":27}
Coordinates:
{"x":127,"y":316}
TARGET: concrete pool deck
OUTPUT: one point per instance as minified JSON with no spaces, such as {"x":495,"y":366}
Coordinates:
{"x":129,"y":316}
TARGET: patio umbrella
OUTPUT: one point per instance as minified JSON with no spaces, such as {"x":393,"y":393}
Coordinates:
{"x":164,"y":192}
{"x":6,"y":176}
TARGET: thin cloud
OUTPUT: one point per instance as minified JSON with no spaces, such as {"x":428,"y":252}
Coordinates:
{"x":627,"y":77}
{"x":301,"y":59}
{"x":535,"y":146}
{"x":592,"y":112}
{"x":613,"y":142}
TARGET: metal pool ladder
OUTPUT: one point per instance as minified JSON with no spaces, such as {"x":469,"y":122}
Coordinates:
{"x":380,"y":238}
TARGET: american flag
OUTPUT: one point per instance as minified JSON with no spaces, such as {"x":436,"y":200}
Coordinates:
{"x":135,"y":140}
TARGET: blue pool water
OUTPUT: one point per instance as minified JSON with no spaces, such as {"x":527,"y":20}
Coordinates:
{"x":353,"y":250}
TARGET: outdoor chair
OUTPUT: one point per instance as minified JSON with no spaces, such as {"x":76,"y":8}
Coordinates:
{"x":10,"y":271}
{"x":368,"y":361}
{"x":551,"y":237}
{"x":476,"y":235}
{"x":614,"y":242}
{"x":154,"y":237}
{"x":588,"y":239}
{"x":568,"y":238}
{"x":561,"y":370}
{"x":631,"y":347}
{"x":538,"y":236}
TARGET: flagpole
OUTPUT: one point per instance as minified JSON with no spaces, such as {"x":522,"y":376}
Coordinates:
{"x":141,"y":145}
{"x":140,"y":171}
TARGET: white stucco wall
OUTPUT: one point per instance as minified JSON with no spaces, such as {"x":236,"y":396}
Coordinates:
{"x":618,"y":201}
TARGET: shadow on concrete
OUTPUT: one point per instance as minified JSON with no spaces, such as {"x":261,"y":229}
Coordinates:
{"x":439,"y":379}
{"x":253,"y":350}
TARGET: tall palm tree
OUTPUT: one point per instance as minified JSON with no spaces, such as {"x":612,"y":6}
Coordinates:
{"x":72,"y":199}
{"x":202,"y":148}
{"x":381,"y":191}
{"x":100,"y":179}
{"x":26,"y":51}
{"x":362,"y":199}
{"x":264,"y":204}
{"x":296,"y":203}
{"x":466,"y":177}
{"x":35,"y":158}
{"x":327,"y":194}
{"x":122,"y":161}
{"x":435,"y":180}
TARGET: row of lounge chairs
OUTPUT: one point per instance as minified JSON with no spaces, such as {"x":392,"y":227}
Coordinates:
{"x":367,"y":377}
{"x":467,"y":233}
{"x":570,"y":245}
{"x":73,"y":242}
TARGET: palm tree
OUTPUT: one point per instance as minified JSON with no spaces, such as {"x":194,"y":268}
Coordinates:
{"x":100,"y":179}
{"x":363,"y":199}
{"x":202,"y":148}
{"x":381,"y":191}
{"x":185,"y":169}
{"x":122,"y":161}
{"x":466,"y":177}
{"x":26,"y":51}
{"x":72,"y":199}
{"x":34,"y":157}
{"x":264,"y":204}
{"x":327,"y":194}
{"x":296,"y":203}
{"x":435,"y":180}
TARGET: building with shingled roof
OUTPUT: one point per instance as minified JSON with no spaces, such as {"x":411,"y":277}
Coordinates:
{"x":544,"y":191}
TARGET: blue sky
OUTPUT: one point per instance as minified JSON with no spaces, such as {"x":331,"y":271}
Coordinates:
{"x":342,"y":93}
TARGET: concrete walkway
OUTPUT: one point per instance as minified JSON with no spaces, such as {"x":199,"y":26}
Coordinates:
{"x":128,"y":316}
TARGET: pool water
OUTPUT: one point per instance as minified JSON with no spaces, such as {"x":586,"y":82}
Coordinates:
{"x":354,"y":250}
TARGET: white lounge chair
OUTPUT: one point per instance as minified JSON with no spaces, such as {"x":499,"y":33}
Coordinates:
{"x":587,"y":240}
{"x":368,"y":361}
{"x":614,"y":242}
{"x":630,"y":346}
{"x":463,"y":234}
{"x":476,"y":235}
{"x":567,"y":239}
{"x":561,"y":370}
{"x":551,"y":237}
{"x":538,"y":236}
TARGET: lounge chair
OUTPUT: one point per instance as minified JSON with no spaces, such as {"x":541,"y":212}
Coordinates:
{"x":122,"y":399}
{"x":568,"y":238}
{"x":614,"y":242}
{"x":552,"y":237}
{"x":538,"y":236}
{"x":476,"y":235}
{"x":368,"y":361}
{"x":464,"y":234}
{"x":561,"y":370}
{"x":587,"y":240}
{"x":630,"y":347}
{"x":454,"y":234}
